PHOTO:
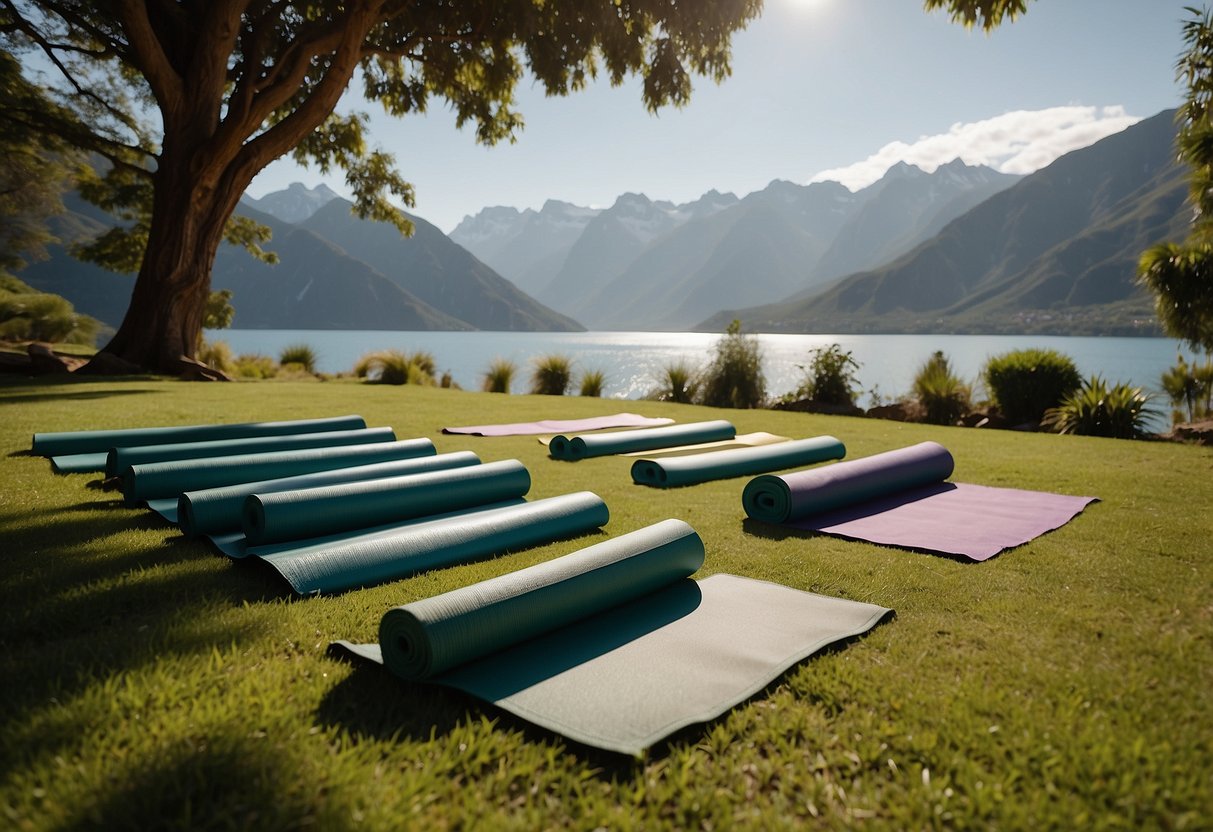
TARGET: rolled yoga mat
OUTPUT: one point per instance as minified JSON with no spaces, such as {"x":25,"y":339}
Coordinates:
{"x":120,"y":459}
{"x":159,"y":480}
{"x":312,"y":512}
{"x":613,"y":646}
{"x":371,"y":556}
{"x":899,"y":498}
{"x":779,"y":499}
{"x":86,"y":450}
{"x":214,"y":510}
{"x":670,"y":472}
{"x":573,"y":448}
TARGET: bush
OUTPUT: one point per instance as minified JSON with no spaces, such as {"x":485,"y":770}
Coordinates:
{"x":552,"y":376}
{"x":1026,"y":383}
{"x":218,"y":356}
{"x":679,"y":384}
{"x":943,"y":397}
{"x":396,"y":367}
{"x":1119,"y":411}
{"x":29,"y":315}
{"x":251,"y":365}
{"x":592,"y":383}
{"x":301,"y":354}
{"x":498,"y":376}
{"x":735,"y":377}
{"x":830,"y":377}
{"x":1190,"y":386}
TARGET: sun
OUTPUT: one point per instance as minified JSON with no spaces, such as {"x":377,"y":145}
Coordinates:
{"x":808,"y":5}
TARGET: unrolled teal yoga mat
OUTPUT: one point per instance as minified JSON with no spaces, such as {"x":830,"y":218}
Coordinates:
{"x":573,"y":448}
{"x":371,"y":556}
{"x":778,"y":499}
{"x":86,"y":450}
{"x":311,"y":512}
{"x":214,"y":510}
{"x":669,"y":472}
{"x":157,"y":480}
{"x":613,"y":646}
{"x":120,"y":459}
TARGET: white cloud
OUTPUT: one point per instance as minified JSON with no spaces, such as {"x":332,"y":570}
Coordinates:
{"x":1017,"y":142}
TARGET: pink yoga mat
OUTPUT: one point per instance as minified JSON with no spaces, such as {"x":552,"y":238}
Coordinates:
{"x":972,"y":521}
{"x":618,"y":420}
{"x":900,"y":498}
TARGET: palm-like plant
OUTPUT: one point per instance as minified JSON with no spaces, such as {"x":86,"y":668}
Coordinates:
{"x":592,"y":383}
{"x":943,"y":396}
{"x":301,"y":354}
{"x":552,"y":376}
{"x":1097,"y":409}
{"x":394,"y":367}
{"x":679,"y":382}
{"x":498,"y":376}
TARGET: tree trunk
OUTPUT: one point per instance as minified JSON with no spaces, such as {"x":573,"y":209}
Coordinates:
{"x":161,"y":329}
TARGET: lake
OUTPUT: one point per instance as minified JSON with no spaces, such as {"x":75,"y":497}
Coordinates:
{"x":632,"y":361}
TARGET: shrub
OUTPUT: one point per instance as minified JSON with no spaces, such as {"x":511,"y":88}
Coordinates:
{"x":498,"y":376}
{"x":680,"y":383}
{"x":552,"y":376}
{"x":735,"y":377}
{"x":830,"y":376}
{"x":254,"y":366}
{"x":592,"y":383}
{"x":1026,"y":383}
{"x":218,"y":356}
{"x":301,"y":354}
{"x":395,"y":367}
{"x":29,"y":315}
{"x":1190,"y":386}
{"x":943,"y":397}
{"x":1119,"y":411}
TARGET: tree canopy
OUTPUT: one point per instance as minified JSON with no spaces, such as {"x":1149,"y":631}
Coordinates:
{"x":1181,"y":275}
{"x":188,"y":100}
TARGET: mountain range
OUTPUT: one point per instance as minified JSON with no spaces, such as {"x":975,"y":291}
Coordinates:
{"x":959,"y":249}
{"x":335,"y":271}
{"x":1056,"y":252}
{"x":642,"y":264}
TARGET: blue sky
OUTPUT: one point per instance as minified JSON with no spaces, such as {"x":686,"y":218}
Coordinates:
{"x":820,"y":89}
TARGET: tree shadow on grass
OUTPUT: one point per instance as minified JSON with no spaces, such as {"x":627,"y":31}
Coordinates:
{"x":227,"y":781}
{"x":46,"y":395}
{"x":83,"y":601}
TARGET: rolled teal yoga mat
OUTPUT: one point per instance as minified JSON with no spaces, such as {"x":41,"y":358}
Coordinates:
{"x":86,"y":450}
{"x":613,"y":646}
{"x":120,"y":459}
{"x":311,"y":512}
{"x":778,"y":499}
{"x":371,"y":556}
{"x":572,"y":448}
{"x":158,"y":480}
{"x":214,"y":510}
{"x":670,"y":472}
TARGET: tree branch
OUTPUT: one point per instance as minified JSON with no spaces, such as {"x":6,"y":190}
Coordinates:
{"x":147,"y":55}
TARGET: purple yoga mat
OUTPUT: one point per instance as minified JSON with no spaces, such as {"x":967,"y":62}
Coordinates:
{"x":899,"y":498}
{"x":618,"y":420}
{"x":972,"y":521}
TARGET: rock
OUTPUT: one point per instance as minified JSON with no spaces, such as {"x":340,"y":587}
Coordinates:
{"x":809,"y":406}
{"x":45,"y":360}
{"x":1200,"y":432}
{"x":897,"y":412}
{"x":108,"y":364}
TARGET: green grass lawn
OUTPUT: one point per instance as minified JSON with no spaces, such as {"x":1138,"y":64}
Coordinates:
{"x":148,"y":683}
